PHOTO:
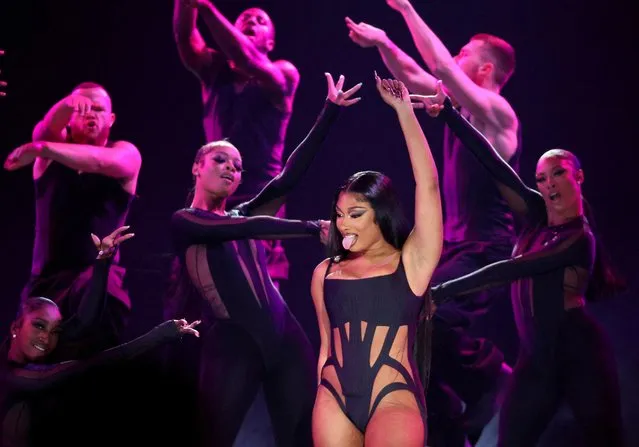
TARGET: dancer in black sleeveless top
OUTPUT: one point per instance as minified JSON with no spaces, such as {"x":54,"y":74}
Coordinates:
{"x":556,"y":267}
{"x":251,"y":337}
{"x":368,"y":297}
{"x":84,"y":183}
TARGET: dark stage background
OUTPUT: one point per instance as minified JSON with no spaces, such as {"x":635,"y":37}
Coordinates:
{"x":572,"y":89}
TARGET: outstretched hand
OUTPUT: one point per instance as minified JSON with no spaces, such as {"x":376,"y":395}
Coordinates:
{"x":339,"y":97}
{"x":107,"y":246}
{"x":184,"y":327}
{"x":432,"y":103}
{"x":363,"y":34}
{"x":393,"y":92}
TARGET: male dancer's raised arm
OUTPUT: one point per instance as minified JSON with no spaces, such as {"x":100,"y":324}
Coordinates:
{"x":400,"y":64}
{"x":246,"y":45}
{"x":479,"y":93}
{"x":200,"y":59}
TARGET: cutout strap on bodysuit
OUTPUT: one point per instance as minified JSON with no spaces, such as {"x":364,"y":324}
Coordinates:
{"x":358,"y":310}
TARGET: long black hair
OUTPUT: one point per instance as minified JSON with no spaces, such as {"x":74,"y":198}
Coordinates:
{"x":376,"y":189}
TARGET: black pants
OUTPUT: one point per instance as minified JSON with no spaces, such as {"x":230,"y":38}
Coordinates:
{"x":230,"y":371}
{"x":582,"y":371}
{"x":463,"y":367}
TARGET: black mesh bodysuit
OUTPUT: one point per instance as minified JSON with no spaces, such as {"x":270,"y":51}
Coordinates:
{"x":252,"y":338}
{"x":563,"y":352}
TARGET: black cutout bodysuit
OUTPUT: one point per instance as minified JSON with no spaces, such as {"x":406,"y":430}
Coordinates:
{"x":380,"y":301}
{"x":250,"y":338}
{"x":563,"y":354}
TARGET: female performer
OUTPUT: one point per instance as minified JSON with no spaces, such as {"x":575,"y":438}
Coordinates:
{"x":368,"y":296}
{"x":557,"y":266}
{"x":250,"y":336}
{"x":27,"y":375}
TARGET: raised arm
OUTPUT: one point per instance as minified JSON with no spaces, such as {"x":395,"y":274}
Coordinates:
{"x":92,"y":304}
{"x":485,"y":105}
{"x":423,"y":247}
{"x":191,"y":226}
{"x":280,"y":77}
{"x":94,"y":300}
{"x":36,"y":378}
{"x":194,"y":53}
{"x":324,"y":325}
{"x":400,"y":64}
{"x":525,"y":202}
{"x":574,"y":249}
{"x":271,"y":198}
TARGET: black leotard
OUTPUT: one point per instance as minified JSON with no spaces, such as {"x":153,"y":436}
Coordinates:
{"x":250,"y":337}
{"x":382,"y":301}
{"x":564,"y":354}
{"x":546,"y":260}
{"x":228,"y":267}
